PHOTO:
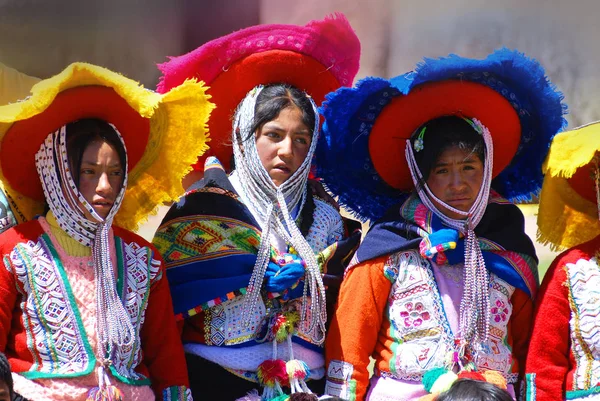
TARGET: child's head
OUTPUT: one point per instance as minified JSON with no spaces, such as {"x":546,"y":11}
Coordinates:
{"x":6,"y":382}
{"x":474,"y":390}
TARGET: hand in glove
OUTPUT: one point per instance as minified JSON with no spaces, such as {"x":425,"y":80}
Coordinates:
{"x":284,"y":274}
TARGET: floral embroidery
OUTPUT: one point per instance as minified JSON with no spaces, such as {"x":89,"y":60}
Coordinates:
{"x":414,"y":315}
{"x":499,"y":311}
{"x":420,"y":328}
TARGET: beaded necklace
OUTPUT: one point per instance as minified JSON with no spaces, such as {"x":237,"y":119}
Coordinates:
{"x":68,"y":205}
{"x":475,"y":303}
{"x":272,"y":205}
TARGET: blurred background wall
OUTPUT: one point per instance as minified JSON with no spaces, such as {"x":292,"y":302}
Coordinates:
{"x":40,"y":37}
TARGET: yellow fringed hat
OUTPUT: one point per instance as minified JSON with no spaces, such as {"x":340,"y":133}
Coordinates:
{"x":163,"y":135}
{"x":568,"y":212}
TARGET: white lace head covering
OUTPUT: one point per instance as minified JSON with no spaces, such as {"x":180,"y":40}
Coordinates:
{"x":475,"y":303}
{"x":272,"y":204}
{"x":68,"y":205}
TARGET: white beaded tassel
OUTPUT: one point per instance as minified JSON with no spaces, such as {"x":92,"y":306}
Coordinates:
{"x":475,"y":303}
{"x":272,"y":204}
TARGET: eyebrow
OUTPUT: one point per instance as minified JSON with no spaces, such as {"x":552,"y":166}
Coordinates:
{"x":271,"y":125}
{"x":89,"y":163}
{"x":466,"y":160}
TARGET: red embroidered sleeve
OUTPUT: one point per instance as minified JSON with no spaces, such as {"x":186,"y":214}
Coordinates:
{"x":548,"y":357}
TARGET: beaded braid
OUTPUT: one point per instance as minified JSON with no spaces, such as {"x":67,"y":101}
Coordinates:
{"x":68,"y":205}
{"x":475,"y":303}
{"x":272,"y":204}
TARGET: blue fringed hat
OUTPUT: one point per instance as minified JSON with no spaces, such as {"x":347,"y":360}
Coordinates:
{"x":361,"y":151}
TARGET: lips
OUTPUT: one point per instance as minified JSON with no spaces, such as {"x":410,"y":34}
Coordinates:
{"x":282,"y":167}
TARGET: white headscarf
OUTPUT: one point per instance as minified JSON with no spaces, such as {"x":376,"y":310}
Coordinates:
{"x":68,"y":205}
{"x":272,"y":204}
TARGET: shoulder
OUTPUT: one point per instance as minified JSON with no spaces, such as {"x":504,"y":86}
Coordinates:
{"x":23,"y":232}
{"x":585,"y":251}
{"x":325,"y":212}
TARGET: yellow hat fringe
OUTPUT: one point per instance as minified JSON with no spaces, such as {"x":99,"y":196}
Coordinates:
{"x":566,"y":219}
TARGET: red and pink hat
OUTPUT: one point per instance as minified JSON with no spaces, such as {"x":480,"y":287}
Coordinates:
{"x":317,"y":58}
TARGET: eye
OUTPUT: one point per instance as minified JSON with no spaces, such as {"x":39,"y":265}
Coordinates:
{"x":272,"y":134}
{"x":302,"y":140}
{"x":117,"y":173}
{"x":86,"y":171}
{"x":441,"y":171}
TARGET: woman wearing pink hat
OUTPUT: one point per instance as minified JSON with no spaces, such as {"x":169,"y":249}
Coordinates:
{"x":246,"y":253}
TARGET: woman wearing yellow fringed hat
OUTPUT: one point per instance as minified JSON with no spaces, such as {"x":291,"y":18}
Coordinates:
{"x":85,"y":308}
{"x":564,"y":354}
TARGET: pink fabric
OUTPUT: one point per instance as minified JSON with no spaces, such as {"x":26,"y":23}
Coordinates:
{"x":81,"y":278}
{"x":331,"y":41}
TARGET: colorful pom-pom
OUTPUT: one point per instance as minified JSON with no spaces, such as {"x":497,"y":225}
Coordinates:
{"x":109,"y":393}
{"x":495,"y":377}
{"x":297,"y":369}
{"x":431,"y":376}
{"x":285,"y":324}
{"x":471,"y":375}
{"x":443,"y":383}
{"x":272,"y":371}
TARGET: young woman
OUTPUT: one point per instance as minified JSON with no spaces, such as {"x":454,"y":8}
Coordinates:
{"x":442,"y":285}
{"x":563,"y":360}
{"x":245,"y":253}
{"x":85,"y":304}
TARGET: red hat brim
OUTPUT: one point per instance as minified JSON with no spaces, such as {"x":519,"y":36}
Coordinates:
{"x":432,"y":100}
{"x":24,"y":138}
{"x":273,"y":66}
{"x":582,"y":181}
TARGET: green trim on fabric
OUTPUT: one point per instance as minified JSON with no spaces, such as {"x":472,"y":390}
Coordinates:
{"x":571,"y":395}
{"x":120,"y":266}
{"x":530,"y":391}
{"x":352,"y":390}
{"x":395,"y":344}
{"x":71,"y":298}
{"x":133,"y":382}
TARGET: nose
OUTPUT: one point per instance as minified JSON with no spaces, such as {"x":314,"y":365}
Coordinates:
{"x":457,"y":181}
{"x":103,"y":188}
{"x":285,"y":149}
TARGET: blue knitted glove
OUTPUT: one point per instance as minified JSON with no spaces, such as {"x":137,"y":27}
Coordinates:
{"x":284,"y":274}
{"x":440,"y":241}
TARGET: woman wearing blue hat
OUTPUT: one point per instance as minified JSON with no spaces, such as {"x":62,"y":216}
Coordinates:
{"x":442,"y":286}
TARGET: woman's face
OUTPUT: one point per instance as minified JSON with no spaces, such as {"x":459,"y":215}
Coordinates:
{"x":456,"y":179}
{"x":100,"y":176}
{"x":283,"y":144}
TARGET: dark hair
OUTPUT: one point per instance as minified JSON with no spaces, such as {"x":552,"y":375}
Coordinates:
{"x":276,"y":97}
{"x":83,"y":132}
{"x":442,"y":134}
{"x":5,"y":374}
{"x":474,"y":390}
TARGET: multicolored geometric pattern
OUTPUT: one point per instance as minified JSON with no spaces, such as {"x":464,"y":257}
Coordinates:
{"x":177,"y":393}
{"x":196,"y":238}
